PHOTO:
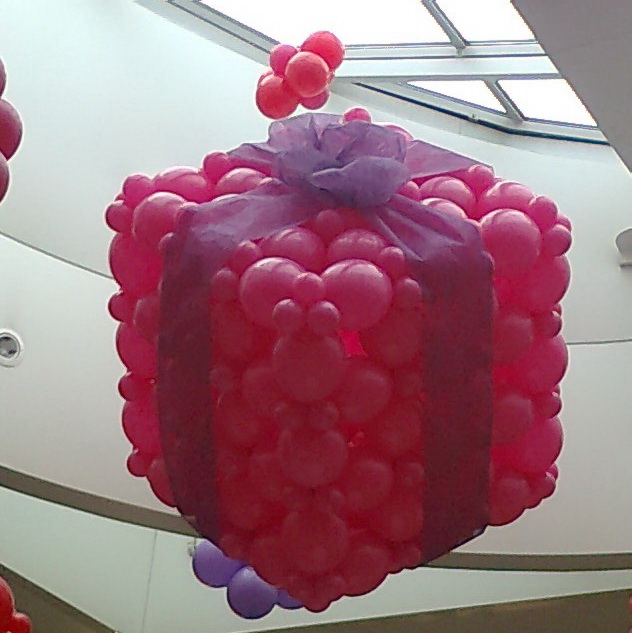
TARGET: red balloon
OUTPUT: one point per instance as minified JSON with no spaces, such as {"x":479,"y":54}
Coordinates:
{"x":397,"y":430}
{"x":236,"y":422}
{"x":138,"y":463}
{"x":316,"y":541}
{"x":140,"y":424}
{"x":159,"y":482}
{"x":156,"y":216}
{"x":316,"y":102}
{"x":7,"y":604}
{"x":10,"y":129}
{"x":365,"y":567}
{"x":357,"y":114}
{"x":307,"y":74}
{"x":308,"y":368}
{"x":121,"y":307}
{"x":396,"y":340}
{"x":327,"y":46}
{"x":20,"y":623}
{"x":312,"y":457}
{"x":513,"y":241}
{"x":275,"y":99}
{"x":280,"y":55}
{"x":133,"y":387}
{"x":547,"y":324}
{"x":400,"y":518}
{"x":547,"y":405}
{"x":513,"y":415}
{"x":543,"y":366}
{"x":137,"y":354}
{"x":360,"y":290}
{"x":242,"y":506}
{"x":266,"y":474}
{"x":146,"y":317}
{"x":508,"y":498}
{"x":364,"y":391}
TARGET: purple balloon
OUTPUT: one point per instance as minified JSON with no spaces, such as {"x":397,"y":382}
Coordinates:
{"x":250,"y":596}
{"x":212,"y":566}
{"x":286,"y":601}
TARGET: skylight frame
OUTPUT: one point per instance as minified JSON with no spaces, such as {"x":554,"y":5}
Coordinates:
{"x":497,"y":60}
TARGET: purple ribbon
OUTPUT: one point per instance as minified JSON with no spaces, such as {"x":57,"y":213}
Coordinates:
{"x":317,"y":162}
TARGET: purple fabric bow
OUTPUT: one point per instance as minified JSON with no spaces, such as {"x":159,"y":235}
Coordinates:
{"x":355,"y":164}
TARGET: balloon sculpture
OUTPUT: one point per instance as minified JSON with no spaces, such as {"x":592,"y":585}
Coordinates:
{"x":299,"y":76}
{"x":10,"y":134}
{"x":343,"y":353}
{"x":10,"y":620}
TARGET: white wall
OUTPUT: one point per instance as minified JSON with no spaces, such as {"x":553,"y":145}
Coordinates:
{"x":107,"y":88}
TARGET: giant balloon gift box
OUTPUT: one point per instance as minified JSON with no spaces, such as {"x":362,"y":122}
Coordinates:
{"x":343,"y":353}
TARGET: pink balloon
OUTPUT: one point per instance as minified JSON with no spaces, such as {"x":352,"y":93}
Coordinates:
{"x":159,"y":482}
{"x":298,"y":244}
{"x":365,"y":567}
{"x":137,"y":354}
{"x":393,"y":262}
{"x":308,"y":368}
{"x":288,"y":316}
{"x":508,"y":498}
{"x":10,"y":129}
{"x":478,"y":178}
{"x":367,"y":483}
{"x":233,"y":333}
{"x":504,"y":194}
{"x":312,"y":457}
{"x":136,"y":270}
{"x":513,"y":336}
{"x":445,"y":206}
{"x":360,"y":290}
{"x":137,"y":187}
{"x":396,"y":340}
{"x":138,"y":464}
{"x":356,"y":244}
{"x":146,"y":317}
{"x":133,"y":388}
{"x":327,"y":46}
{"x":140,"y":424}
{"x":410,"y":190}
{"x":513,"y":415}
{"x":236,"y":422}
{"x":261,"y":389}
{"x":280,"y":55}
{"x":543,"y":366}
{"x":215,"y":165}
{"x":547,"y":405}
{"x":4,"y":176}
{"x":186,"y":182}
{"x":513,"y":241}
{"x":400,"y":518}
{"x":397,"y":430}
{"x":121,"y":307}
{"x":316,"y":102}
{"x":364,"y":391}
{"x":224,"y":286}
{"x":544,"y":285}
{"x":307,"y":74}
{"x":156,"y":216}
{"x":556,"y":241}
{"x":541,"y":487}
{"x":543,"y":211}
{"x":118,"y":217}
{"x":357,"y":114}
{"x":246,"y":254}
{"x":238,"y":180}
{"x":264,"y":284}
{"x":536,"y":451}
{"x":547,"y":324}
{"x":449,"y":188}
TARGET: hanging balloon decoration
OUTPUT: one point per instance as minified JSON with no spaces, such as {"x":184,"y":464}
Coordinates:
{"x":327,"y":323}
{"x":11,"y":621}
{"x":299,"y":75}
{"x":10,"y":134}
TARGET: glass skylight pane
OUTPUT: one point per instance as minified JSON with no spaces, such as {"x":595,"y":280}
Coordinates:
{"x":548,"y":100}
{"x":353,"y":21}
{"x":482,"y":20}
{"x":472,"y":91}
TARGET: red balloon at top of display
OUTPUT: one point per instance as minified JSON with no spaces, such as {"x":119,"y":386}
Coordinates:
{"x":299,"y":76}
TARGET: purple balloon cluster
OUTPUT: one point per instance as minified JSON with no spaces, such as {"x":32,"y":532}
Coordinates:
{"x":248,"y":595}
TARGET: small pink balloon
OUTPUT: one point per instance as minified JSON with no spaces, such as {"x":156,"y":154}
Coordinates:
{"x":400,"y":518}
{"x":504,"y":194}
{"x":159,"y":482}
{"x":317,"y":101}
{"x":397,"y":430}
{"x":543,"y":366}
{"x":137,"y":354}
{"x":410,"y":190}
{"x":366,"y":483}
{"x":357,"y":114}
{"x":329,"y":223}
{"x":508,"y":499}
{"x":445,"y":206}
{"x":478,"y":178}
{"x":547,"y":324}
{"x":224,"y":286}
{"x":309,"y":289}
{"x":236,"y":422}
{"x":156,"y":216}
{"x":513,"y":415}
{"x":543,"y":211}
{"x":365,"y":390}
{"x":137,"y":187}
{"x":238,"y":180}
{"x":133,"y":387}
{"x":246,"y":254}
{"x":186,"y":182}
{"x":234,"y":334}
{"x":513,"y":336}
{"x":544,"y":285}
{"x":140,"y":424}
{"x":280,"y":55}
{"x":4,"y":176}
{"x":556,"y":241}
{"x":121,"y":307}
{"x":298,"y":244}
{"x":565,"y":222}
{"x":138,"y":464}
{"x":323,"y":318}
{"x":264,"y":284}
{"x":547,"y":405}
{"x":327,"y":46}
{"x":360,"y":290}
{"x":356,"y":244}
{"x":288,"y":316}
{"x":118,"y":217}
{"x":512,"y":239}
{"x":449,"y":188}
{"x":147,"y":316}
{"x":308,"y":367}
{"x":215,"y":165}
{"x":392,"y":261}
{"x":10,"y":129}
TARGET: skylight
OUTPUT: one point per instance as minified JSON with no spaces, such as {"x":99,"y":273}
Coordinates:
{"x":470,"y":91}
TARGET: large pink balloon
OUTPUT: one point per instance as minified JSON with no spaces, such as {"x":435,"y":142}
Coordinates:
{"x":449,"y":188}
{"x":543,"y":366}
{"x":298,"y":244}
{"x":136,"y":270}
{"x":156,"y":216}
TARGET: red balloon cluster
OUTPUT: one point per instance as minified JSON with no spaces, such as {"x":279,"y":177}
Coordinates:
{"x":10,"y":620}
{"x":318,"y":340}
{"x":10,"y":133}
{"x":299,"y":76}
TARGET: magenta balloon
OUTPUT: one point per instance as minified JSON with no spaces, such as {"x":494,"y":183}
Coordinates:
{"x":308,"y":368}
{"x":356,"y":244}
{"x":159,"y":482}
{"x":3,"y":77}
{"x":317,"y":101}
{"x":508,"y":499}
{"x":360,"y":290}
{"x":156,"y":216}
{"x":118,"y":216}
{"x":547,"y":324}
{"x":357,"y":114}
{"x":513,"y":415}
{"x":146,"y":317}
{"x":140,"y":424}
{"x":280,"y":55}
{"x":10,"y":129}
{"x":136,"y":270}
{"x":264,"y":284}
{"x":297,"y":244}
{"x":249,"y":596}
{"x":365,"y":390}
{"x":237,"y":422}
{"x":238,"y":180}
{"x":138,"y":464}
{"x":556,"y":241}
{"x":513,"y":241}
{"x":445,"y":206}
{"x":121,"y":307}
{"x":186,"y":182}
{"x":543,"y":366}
{"x":312,"y":457}
{"x":543,"y":285}
{"x":137,"y":187}
{"x":233,"y":333}
{"x":505,"y":195}
{"x":137,"y":354}
{"x":543,"y":211}
{"x":397,"y":430}
{"x":513,"y":336}
{"x":212,"y":567}
{"x":366,"y":483}
{"x":4,"y":176}
{"x":449,"y":188}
